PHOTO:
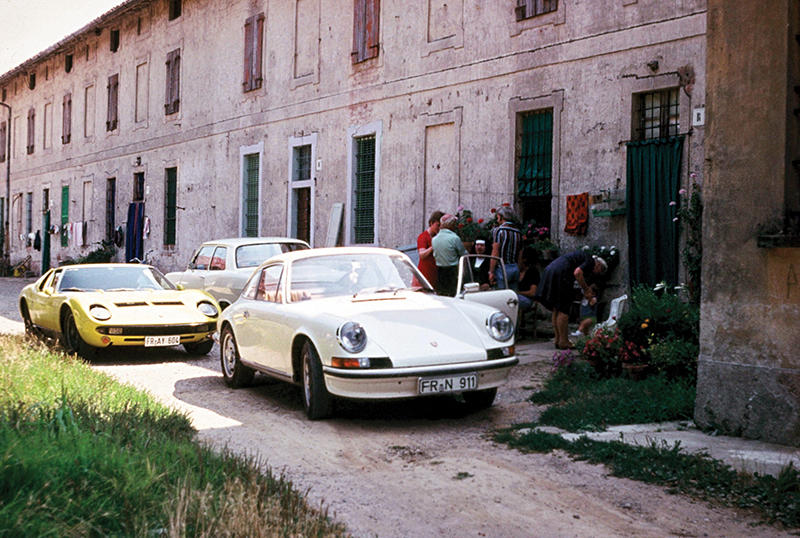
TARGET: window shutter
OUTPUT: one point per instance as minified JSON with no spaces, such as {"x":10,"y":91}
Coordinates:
{"x":3,"y":142}
{"x":373,"y":17}
{"x":175,"y":82}
{"x":258,"y":52}
{"x":170,"y":205}
{"x":66,"y":117}
{"x":113,"y":91}
{"x":248,"y":54}
{"x":31,"y":134}
{"x":359,"y":9}
{"x":64,"y":213}
{"x":168,"y":88}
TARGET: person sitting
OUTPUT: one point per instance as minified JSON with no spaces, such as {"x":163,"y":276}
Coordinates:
{"x":528,"y":279}
{"x":480,"y":266}
{"x":588,"y":312}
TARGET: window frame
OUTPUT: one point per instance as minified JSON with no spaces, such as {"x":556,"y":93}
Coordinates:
{"x":170,"y":207}
{"x":66,"y":118}
{"x":294,"y":185}
{"x":174,"y":9}
{"x":253,"y":74}
{"x":246,"y":151}
{"x":31,"y":146}
{"x":665,"y":125}
{"x":64,"y":214}
{"x":528,"y":9}
{"x":111,"y":206}
{"x":353,"y":134}
{"x":112,"y":113}
{"x":172,"y":90}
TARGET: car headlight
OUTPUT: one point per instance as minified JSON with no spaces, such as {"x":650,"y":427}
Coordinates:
{"x":207,"y":309}
{"x":500,"y":326}
{"x":99,"y":312}
{"x":352,"y":337}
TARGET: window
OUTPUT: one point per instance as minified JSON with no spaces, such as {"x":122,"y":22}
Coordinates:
{"x":66,"y":119}
{"x":47,"y":127}
{"x":172,"y":92}
{"x":3,"y":140}
{"x":656,"y":114}
{"x":31,"y":80}
{"x":114,"y":40}
{"x":31,"y":127}
{"x":28,"y":213}
{"x":530,"y":8}
{"x":88,"y":111}
{"x":535,"y":165}
{"x":268,"y":288}
{"x":170,"y":204}
{"x":250,"y":192}
{"x":366,"y":20}
{"x":202,"y":259}
{"x":364,"y":191}
{"x":68,"y":62}
{"x":218,"y":259}
{"x":301,"y":189}
{"x":138,"y":187}
{"x":253,"y":51}
{"x":113,"y":98}
{"x":64,"y":214}
{"x":174,"y":9}
{"x":45,"y":202}
{"x":111,"y":204}
{"x":142,"y":87}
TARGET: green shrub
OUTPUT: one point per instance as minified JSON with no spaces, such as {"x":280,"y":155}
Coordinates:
{"x":677,"y":359}
{"x":657,"y":316}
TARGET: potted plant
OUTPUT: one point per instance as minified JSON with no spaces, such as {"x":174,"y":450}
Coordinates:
{"x":602,"y":351}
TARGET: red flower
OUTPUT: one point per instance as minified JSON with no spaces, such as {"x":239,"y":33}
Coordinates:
{"x":506,"y":204}
{"x":460,"y":225}
{"x":493,"y":210}
{"x":469,"y":219}
{"x":480,"y":221}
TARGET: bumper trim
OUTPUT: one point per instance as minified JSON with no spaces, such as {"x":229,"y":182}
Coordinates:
{"x":419,"y":371}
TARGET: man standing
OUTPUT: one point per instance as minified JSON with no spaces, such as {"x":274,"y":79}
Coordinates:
{"x":427,"y":264}
{"x":506,"y":243}
{"x":447,"y":249}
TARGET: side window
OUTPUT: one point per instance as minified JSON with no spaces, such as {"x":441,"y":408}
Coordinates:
{"x":202,"y":259}
{"x":269,"y":284}
{"x":218,"y":261}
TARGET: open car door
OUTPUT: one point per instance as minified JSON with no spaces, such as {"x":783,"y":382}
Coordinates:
{"x":471,"y":289}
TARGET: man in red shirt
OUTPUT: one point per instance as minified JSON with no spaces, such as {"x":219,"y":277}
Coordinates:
{"x":427,"y":264}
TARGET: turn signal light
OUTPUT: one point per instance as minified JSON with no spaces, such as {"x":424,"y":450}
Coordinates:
{"x":350,"y":362}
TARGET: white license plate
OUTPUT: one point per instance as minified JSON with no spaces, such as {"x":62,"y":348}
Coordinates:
{"x":457,"y":383}
{"x":154,"y":341}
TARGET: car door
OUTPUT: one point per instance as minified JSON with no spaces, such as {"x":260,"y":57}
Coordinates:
{"x":469,"y":289}
{"x":216,"y":281}
{"x":261,"y":330}
{"x":41,"y":301}
{"x":195,"y":275}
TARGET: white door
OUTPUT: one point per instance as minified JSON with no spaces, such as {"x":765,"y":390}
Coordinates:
{"x":469,"y":289}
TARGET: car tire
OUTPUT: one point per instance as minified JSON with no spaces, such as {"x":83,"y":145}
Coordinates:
{"x":71,"y":338}
{"x":480,"y":399}
{"x":317,"y":401}
{"x":30,"y":328}
{"x":234,"y":373}
{"x":198,"y":348}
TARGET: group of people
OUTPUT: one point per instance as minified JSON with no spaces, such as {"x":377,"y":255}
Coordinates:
{"x":440,"y":249}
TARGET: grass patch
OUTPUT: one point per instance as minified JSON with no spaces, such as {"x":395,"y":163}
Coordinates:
{"x":580,"y":401}
{"x":777,"y":499}
{"x":81,"y":454}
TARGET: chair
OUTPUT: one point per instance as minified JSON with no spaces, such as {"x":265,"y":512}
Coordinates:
{"x":615,"y":310}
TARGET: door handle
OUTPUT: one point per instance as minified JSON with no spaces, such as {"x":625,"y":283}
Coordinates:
{"x":512,"y":302}
{"x":246,"y":314}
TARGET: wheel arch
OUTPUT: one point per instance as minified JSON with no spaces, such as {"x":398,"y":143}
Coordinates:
{"x":297,"y":348}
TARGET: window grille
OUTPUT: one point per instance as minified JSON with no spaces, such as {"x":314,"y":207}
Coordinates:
{"x":111,"y":202}
{"x":364,"y":191}
{"x":531,"y":8}
{"x":302,"y":167}
{"x":29,"y":213}
{"x":174,"y":9}
{"x":64,"y":214}
{"x":138,"y":187}
{"x":251,"y":196}
{"x":170,"y":205}
{"x":657,"y":114}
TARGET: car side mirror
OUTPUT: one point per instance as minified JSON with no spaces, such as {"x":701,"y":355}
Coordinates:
{"x":471,"y":287}
{"x":179,"y":287}
{"x":48,"y":290}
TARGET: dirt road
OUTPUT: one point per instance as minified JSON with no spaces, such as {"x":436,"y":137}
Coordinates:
{"x":423,"y":468}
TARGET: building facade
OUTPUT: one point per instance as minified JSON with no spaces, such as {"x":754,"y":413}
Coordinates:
{"x":180,"y":121}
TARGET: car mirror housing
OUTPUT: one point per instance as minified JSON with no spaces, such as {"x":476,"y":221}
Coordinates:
{"x":471,"y":287}
{"x":179,"y":287}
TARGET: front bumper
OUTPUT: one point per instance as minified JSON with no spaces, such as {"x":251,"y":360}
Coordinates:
{"x":134,"y":335}
{"x":388,"y":383}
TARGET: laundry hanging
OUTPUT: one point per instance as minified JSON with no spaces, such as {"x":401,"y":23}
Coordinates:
{"x":134,"y":247}
{"x":577,"y":214}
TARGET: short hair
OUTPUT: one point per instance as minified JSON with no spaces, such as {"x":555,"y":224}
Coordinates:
{"x":436,"y":216}
{"x":449,"y":221}
{"x":507,"y":213}
{"x":602,"y":262}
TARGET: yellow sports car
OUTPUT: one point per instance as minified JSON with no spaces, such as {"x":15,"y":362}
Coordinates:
{"x":115,"y":304}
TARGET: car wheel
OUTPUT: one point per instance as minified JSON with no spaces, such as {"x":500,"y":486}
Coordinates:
{"x":316,"y":399}
{"x":30,"y":329}
{"x":234,"y":372}
{"x":480,"y":399}
{"x":198,"y":348}
{"x":71,"y":337}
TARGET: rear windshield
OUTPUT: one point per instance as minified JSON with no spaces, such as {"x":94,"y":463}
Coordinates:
{"x":254,"y":255}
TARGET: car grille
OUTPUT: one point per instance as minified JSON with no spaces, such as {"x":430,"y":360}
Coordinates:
{"x":143,"y":303}
{"x":156,"y":330}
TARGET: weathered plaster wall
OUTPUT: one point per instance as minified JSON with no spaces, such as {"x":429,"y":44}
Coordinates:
{"x":749,"y":367}
{"x":460,"y":73}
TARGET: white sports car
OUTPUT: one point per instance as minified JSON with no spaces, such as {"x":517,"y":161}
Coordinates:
{"x":362,"y":322}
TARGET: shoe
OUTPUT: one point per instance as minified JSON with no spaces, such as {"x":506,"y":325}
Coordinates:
{"x":576,"y":334}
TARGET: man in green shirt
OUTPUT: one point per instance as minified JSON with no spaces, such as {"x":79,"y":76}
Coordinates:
{"x":447,"y":249}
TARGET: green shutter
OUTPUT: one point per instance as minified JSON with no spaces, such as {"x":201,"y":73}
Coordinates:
{"x":2,"y":225}
{"x":250,"y":220}
{"x":170,"y":205}
{"x":64,"y":214}
{"x":536,"y":155}
{"x":364,"y":191}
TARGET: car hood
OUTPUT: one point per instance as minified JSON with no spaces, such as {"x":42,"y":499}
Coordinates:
{"x":146,"y":307}
{"x":416,"y":329}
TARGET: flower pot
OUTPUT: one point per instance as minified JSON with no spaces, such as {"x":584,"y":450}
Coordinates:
{"x":636,"y":371}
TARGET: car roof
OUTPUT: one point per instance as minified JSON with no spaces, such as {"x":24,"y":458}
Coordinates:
{"x":239,"y":241}
{"x":331,"y":251}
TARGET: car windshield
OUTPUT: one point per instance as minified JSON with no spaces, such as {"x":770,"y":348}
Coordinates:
{"x":254,"y":255}
{"x":112,"y":278}
{"x":353,"y":274}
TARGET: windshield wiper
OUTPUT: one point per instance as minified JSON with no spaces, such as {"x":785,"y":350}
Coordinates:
{"x":121,"y":289}
{"x":385,"y":289}
{"x":72,"y":289}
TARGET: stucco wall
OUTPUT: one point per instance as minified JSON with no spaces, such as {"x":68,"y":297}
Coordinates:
{"x":749,"y":367}
{"x":451,"y":77}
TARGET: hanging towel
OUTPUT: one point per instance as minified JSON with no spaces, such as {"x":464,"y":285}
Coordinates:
{"x":37,"y":241}
{"x":133,"y":233}
{"x":77,"y":230}
{"x":577,"y":214}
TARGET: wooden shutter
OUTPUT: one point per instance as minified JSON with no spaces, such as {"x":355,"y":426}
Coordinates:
{"x":366,"y":29}
{"x":258,"y":51}
{"x":66,"y":119}
{"x":3,"y":142}
{"x":113,"y":93}
{"x":247,"y":82}
{"x":373,"y":17}
{"x":172,"y":91}
{"x":359,"y":9}
{"x":31,"y":125}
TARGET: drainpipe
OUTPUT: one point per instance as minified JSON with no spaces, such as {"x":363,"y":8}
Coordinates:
{"x":7,"y":236}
